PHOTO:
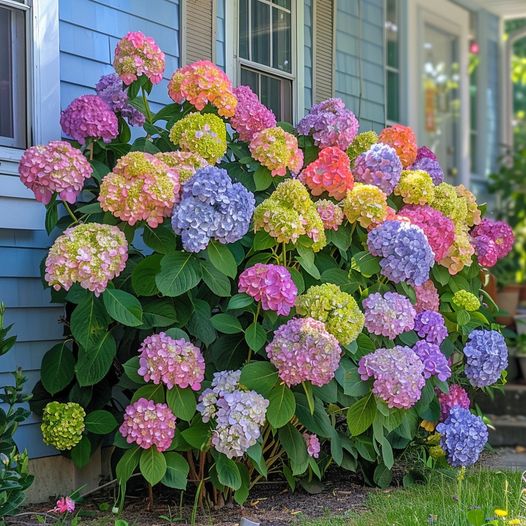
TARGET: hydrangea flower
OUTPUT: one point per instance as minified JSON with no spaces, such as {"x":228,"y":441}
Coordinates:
{"x":434,"y":360}
{"x":415,"y":187}
{"x":388,"y":315}
{"x":499,"y":232}
{"x":447,"y":201}
{"x":62,"y":425}
{"x":404,"y":250}
{"x":466,"y":300}
{"x":330,"y":123}
{"x":331,"y":214}
{"x":55,"y":167}
{"x":336,"y":309}
{"x":202,"y":134}
{"x":403,"y":140}
{"x":455,"y":397}
{"x":486,"y":357}
{"x":89,"y":117}
{"x":109,"y":89}
{"x":89,"y":254}
{"x":313,"y":444}
{"x":200,"y":83}
{"x":302,"y":350}
{"x":424,"y":151}
{"x":290,"y":213}
{"x":365,"y":204}
{"x":361,"y":143}
{"x":223,"y":382}
{"x":464,"y":436}
{"x":140,"y":188}
{"x":426,"y":297}
{"x":136,"y":55}
{"x":270,"y":284}
{"x":486,"y":250}
{"x":426,"y":161}
{"x":460,"y":252}
{"x":251,"y":115}
{"x":148,"y":424}
{"x":379,"y":166}
{"x":439,"y":229}
{"x":329,"y":173}
{"x":64,"y":505}
{"x":212,"y":207}
{"x":182,"y":164}
{"x":277,"y":150}
{"x":431,"y":326}
{"x":398,"y":375}
{"x":473,"y":214}
{"x":171,"y":362}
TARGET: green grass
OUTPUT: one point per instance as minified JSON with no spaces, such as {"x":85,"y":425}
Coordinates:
{"x":436,"y":503}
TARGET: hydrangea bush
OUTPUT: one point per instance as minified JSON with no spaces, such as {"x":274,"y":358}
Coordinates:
{"x":244,"y":299}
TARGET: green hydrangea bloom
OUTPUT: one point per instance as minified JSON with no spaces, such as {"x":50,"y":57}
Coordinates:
{"x":447,"y":201}
{"x":62,"y":425}
{"x":415,"y":187}
{"x":361,"y":143}
{"x":337,"y":309}
{"x":466,"y":300}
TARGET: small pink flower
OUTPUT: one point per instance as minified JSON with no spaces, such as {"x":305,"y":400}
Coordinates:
{"x":64,"y":505}
{"x":313,"y":444}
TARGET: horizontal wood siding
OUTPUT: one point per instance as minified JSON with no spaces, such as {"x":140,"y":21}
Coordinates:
{"x":199,"y":30}
{"x":308,"y":43}
{"x":323,"y":54}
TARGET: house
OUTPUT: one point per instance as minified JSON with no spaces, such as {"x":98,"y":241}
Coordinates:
{"x":434,"y":65}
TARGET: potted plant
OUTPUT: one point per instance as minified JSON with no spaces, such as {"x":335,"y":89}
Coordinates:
{"x":520,"y":353}
{"x":508,"y":290}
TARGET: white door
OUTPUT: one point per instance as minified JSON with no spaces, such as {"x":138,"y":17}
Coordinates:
{"x":438,"y":82}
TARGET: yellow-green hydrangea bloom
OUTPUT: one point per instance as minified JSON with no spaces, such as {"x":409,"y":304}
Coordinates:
{"x":460,"y":253}
{"x":361,"y":143}
{"x":367,"y":204}
{"x":448,"y":202}
{"x":62,"y":425}
{"x":473,"y":214}
{"x":466,"y":300}
{"x":415,"y":187}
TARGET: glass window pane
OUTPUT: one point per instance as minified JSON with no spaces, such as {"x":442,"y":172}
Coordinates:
{"x":260,"y":33}
{"x":281,"y":40}
{"x":243,"y":29}
{"x":391,"y":30}
{"x":282,"y":3}
{"x":250,"y":78}
{"x":393,"y":96}
{"x":6,"y":77}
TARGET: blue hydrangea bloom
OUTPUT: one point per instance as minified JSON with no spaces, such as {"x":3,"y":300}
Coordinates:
{"x":434,"y":360}
{"x":464,"y":436}
{"x":431,"y":326}
{"x":212,"y":207}
{"x":431,"y":166}
{"x":486,"y":357}
{"x":404,"y":250}
{"x":380,"y":166}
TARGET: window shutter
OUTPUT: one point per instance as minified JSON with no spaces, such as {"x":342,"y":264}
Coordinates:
{"x":199,"y":30}
{"x":323,"y":53}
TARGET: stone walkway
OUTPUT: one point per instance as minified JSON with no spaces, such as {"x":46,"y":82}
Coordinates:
{"x":507,"y":459}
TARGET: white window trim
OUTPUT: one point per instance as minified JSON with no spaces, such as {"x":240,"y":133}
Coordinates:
{"x":232,"y":60}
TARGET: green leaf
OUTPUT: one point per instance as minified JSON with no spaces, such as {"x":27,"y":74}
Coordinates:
{"x":143,"y":275}
{"x":92,"y":208}
{"x":181,"y":402}
{"x":259,"y":376}
{"x":348,"y":377}
{"x":179,"y":273}
{"x":441,"y":274}
{"x":161,"y":239}
{"x":131,"y":368}
{"x":81,"y":453}
{"x":255,"y":336}
{"x":150,"y":392}
{"x":51,"y":215}
{"x":360,"y":415}
{"x":158,"y":313}
{"x":177,"y":470}
{"x":89,"y":321}
{"x":57,"y":369}
{"x":95,"y":361}
{"x":239,"y":301}
{"x":226,"y":323}
{"x":222,"y":259}
{"x":282,"y":406}
{"x":199,"y":324}
{"x":216,"y":281}
{"x":123,"y":307}
{"x":476,"y":517}
{"x":127,"y":464}
{"x":463,"y":317}
{"x":152,"y":465}
{"x":262,"y":178}
{"x":382,"y":476}
{"x":294,"y":445}
{"x":306,"y":260}
{"x":228,"y":472}
{"x":366,"y":264}
{"x":100,"y":422}
{"x":177,"y":334}
{"x":197,"y":434}
{"x":255,"y":453}
{"x":317,"y":422}
{"x":262,"y":241}
{"x":241,"y":495}
{"x":100,"y":170}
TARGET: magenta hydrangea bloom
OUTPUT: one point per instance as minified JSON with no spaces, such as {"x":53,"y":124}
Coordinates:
{"x":55,"y":167}
{"x":270,"y":284}
{"x":388,"y":315}
{"x":426,"y":297}
{"x":398,"y":375}
{"x":499,"y":232}
{"x":313,"y":444}
{"x":434,"y":360}
{"x":251,"y":115}
{"x":302,"y":350}
{"x":457,"y":396}
{"x":380,"y":166}
{"x":330,"y":213}
{"x":88,"y":116}
{"x":148,"y":424}
{"x":425,"y":152}
{"x":330,"y":123}
{"x":486,"y":250}
{"x":431,"y":326}
{"x":171,"y":362}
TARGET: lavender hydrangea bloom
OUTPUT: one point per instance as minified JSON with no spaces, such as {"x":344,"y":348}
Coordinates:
{"x":212,"y":207}
{"x":404,"y":249}
{"x":486,"y":357}
{"x":388,"y":315}
{"x":464,"y":436}
{"x":431,"y":166}
{"x":434,"y":360}
{"x":431,"y":326}
{"x":380,"y":166}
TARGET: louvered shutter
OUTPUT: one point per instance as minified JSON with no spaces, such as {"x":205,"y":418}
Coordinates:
{"x":323,"y":52}
{"x":199,"y":30}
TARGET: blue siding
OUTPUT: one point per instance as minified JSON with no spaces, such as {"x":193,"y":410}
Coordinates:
{"x":359,"y":76}
{"x":308,"y":54}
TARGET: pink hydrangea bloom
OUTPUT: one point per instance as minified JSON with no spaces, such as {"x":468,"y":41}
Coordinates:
{"x":88,"y":116}
{"x":486,"y":250}
{"x":403,"y":140}
{"x":183,"y":164}
{"x":398,"y":375}
{"x":426,"y":297}
{"x":302,"y":350}
{"x":388,"y":315}
{"x":171,"y":362}
{"x":313,"y":444}
{"x":251,"y":115}
{"x":201,"y":83}
{"x":455,"y":397}
{"x":64,"y":505}
{"x":277,"y":150}
{"x":56,"y":167}
{"x":499,"y":232}
{"x":331,"y":214}
{"x":270,"y":284}
{"x":148,"y":424}
{"x":140,"y":188}
{"x":439,"y":229}
{"x":330,"y":173}
{"x":136,"y":55}
{"x":90,"y":254}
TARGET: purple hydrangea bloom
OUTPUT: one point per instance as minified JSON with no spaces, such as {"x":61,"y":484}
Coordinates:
{"x":330,"y":123}
{"x":464,"y":436}
{"x":380,"y":166}
{"x":486,"y":357}
{"x":388,"y":315}
{"x":212,"y":207}
{"x":424,"y":151}
{"x":434,"y":360}
{"x":431,"y":326}
{"x":404,"y":249}
{"x":431,"y":166}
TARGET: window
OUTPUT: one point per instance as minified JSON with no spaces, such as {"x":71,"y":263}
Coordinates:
{"x":265,"y":51}
{"x":474,"y":61}
{"x":392,"y":62}
{"x":13,"y":85}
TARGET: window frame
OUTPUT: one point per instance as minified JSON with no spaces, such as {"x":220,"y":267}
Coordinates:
{"x":398,"y":70}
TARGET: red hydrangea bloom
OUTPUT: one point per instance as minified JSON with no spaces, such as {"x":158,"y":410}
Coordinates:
{"x":403,"y":140}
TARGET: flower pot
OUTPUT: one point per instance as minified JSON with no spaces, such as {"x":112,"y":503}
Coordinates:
{"x":508,"y":301}
{"x":520,"y":323}
{"x":522,"y":363}
{"x":513,"y":369}
{"x":489,"y":284}
{"x":522,"y":295}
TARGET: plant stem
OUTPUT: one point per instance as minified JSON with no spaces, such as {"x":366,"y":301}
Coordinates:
{"x":284,"y":254}
{"x":150,"y":498}
{"x":146,"y":105}
{"x":70,"y":212}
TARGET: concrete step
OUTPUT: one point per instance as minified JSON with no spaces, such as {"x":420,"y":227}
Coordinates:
{"x":509,"y":431}
{"x":511,"y":402}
